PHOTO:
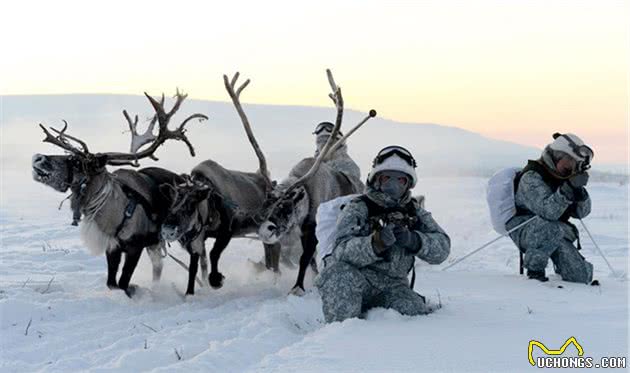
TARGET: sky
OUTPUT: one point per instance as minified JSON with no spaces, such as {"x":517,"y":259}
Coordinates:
{"x":512,"y":70}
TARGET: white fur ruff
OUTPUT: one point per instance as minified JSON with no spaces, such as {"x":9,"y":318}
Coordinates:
{"x":95,"y":239}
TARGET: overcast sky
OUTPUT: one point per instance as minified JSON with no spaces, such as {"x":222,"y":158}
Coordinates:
{"x":511,"y":70}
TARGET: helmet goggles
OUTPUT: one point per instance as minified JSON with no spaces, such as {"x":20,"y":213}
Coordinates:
{"x":325,"y":126}
{"x":389,"y":151}
{"x":583,"y":151}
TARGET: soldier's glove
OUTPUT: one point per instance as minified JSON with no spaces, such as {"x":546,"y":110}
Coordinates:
{"x":579,"y":180}
{"x":407,"y":239}
{"x":383,"y":239}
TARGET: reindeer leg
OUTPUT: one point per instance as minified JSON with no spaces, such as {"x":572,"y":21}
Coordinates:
{"x":216,"y":278}
{"x":203,"y":261}
{"x":309,"y":243}
{"x":156,"y":260}
{"x":272,"y":256}
{"x":192,"y":272}
{"x":113,"y":261}
{"x":131,"y":261}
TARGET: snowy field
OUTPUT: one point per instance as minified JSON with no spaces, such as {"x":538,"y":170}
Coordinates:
{"x":56,"y":313}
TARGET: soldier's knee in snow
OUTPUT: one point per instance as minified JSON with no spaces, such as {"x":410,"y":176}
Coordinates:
{"x":411,"y":306}
{"x":576,"y":270}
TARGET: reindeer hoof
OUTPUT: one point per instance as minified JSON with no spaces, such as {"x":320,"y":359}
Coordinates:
{"x":112,"y":286}
{"x":216,"y":280}
{"x":298,"y":291}
{"x":130,"y":290}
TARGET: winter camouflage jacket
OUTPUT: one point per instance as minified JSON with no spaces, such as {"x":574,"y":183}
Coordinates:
{"x":342,"y":162}
{"x":553,"y":200}
{"x":354,"y":240}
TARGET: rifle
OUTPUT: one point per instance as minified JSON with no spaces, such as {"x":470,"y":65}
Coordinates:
{"x":397,"y":218}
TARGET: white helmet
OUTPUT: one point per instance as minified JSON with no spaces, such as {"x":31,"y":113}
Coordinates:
{"x":573,"y":146}
{"x":394,"y":158}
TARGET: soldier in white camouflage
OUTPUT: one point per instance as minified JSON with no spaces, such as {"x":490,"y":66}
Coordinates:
{"x":552,"y":188}
{"x":379,"y":235}
{"x":340,"y":160}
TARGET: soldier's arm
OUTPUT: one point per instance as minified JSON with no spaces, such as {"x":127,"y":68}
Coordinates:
{"x":435,"y":243}
{"x":538,"y":197}
{"x":352,"y":245}
{"x":582,"y":206}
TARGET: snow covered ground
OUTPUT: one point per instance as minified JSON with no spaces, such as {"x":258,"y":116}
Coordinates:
{"x":57,"y":315}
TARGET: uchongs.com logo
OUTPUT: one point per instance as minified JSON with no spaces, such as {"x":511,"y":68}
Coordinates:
{"x":554,"y":358}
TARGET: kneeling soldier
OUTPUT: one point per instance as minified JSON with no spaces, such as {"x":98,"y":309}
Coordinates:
{"x":552,"y":188}
{"x":379,"y":234}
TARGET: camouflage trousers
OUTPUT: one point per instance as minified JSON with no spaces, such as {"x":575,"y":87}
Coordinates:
{"x":542,"y":240}
{"x":348,"y":292}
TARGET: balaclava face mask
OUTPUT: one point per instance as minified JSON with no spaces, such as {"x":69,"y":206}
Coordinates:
{"x":393,"y":187}
{"x":321,"y":139}
{"x":551,"y":158}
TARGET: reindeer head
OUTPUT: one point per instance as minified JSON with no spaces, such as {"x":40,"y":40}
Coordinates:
{"x":79,"y":165}
{"x":283,"y":213}
{"x":61,"y":172}
{"x":189,"y":210}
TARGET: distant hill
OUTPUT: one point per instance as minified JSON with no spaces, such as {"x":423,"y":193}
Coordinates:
{"x":284,"y":133}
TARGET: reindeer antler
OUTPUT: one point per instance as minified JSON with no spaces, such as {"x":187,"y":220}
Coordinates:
{"x":337,"y":99}
{"x":235,"y":96}
{"x":61,"y":140}
{"x":329,"y":148}
{"x":163,"y":118}
{"x":139,"y":140}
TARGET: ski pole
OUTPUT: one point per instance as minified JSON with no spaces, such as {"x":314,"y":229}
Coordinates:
{"x":489,"y":243}
{"x":598,"y":249}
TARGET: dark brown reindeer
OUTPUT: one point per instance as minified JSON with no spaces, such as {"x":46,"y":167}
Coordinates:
{"x":218,"y":203}
{"x":311,"y":182}
{"x":123,"y":210}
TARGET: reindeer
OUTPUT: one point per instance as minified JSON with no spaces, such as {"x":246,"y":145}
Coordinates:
{"x":311,"y":182}
{"x":215,"y":202}
{"x":122,"y":210}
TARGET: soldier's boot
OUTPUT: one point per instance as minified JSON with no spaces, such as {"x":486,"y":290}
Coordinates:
{"x":537,"y":275}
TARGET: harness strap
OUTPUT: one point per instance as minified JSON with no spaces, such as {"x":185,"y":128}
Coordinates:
{"x":413,"y":274}
{"x":187,"y":237}
{"x":129,"y":210}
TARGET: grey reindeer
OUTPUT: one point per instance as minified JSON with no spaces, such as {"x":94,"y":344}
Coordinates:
{"x":218,"y":203}
{"x":123,"y":210}
{"x":294,"y":203}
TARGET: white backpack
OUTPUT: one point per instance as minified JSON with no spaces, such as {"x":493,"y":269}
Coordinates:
{"x":500,"y":197}
{"x":326,"y":229}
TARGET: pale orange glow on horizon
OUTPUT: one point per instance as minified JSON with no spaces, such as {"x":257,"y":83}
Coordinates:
{"x":508,"y":70}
